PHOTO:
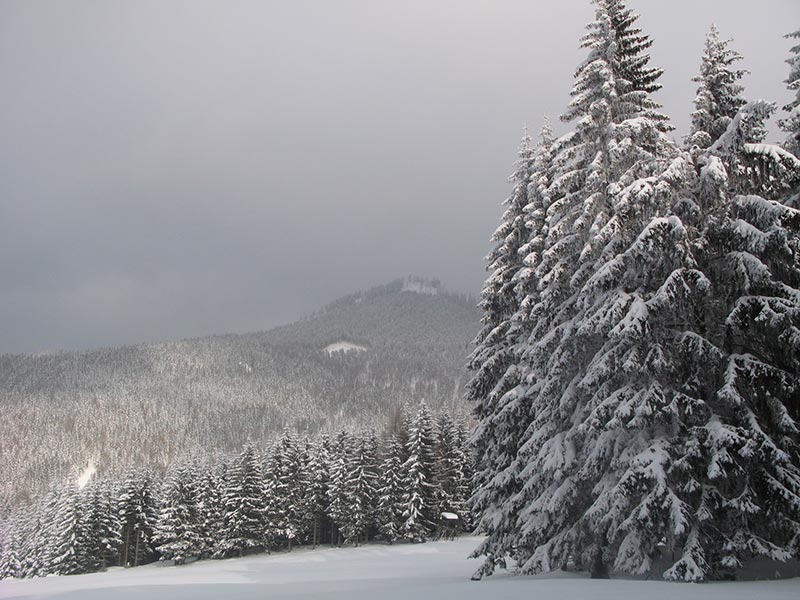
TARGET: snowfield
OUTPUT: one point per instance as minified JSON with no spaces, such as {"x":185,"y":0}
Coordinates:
{"x":344,"y":347}
{"x":435,"y":570}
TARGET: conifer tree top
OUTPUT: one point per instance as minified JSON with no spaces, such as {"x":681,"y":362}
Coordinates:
{"x":719,"y":95}
{"x":615,"y":76}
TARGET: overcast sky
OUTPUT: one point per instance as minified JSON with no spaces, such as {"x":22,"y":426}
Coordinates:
{"x":175,"y":169}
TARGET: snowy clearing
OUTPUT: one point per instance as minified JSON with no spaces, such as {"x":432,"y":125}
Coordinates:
{"x":343,"y":347}
{"x":419,"y":571}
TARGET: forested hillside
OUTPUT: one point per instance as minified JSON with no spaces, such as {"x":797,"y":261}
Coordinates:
{"x":154,"y":404}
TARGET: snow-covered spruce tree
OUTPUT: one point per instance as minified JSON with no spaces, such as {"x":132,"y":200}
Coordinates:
{"x":273,"y":511}
{"x":526,"y":283}
{"x":102,"y":522}
{"x":338,"y":506}
{"x":316,"y":498}
{"x":498,"y":407}
{"x":34,"y":525}
{"x":287,"y":484}
{"x":177,"y":533}
{"x":10,"y":560}
{"x":740,"y":460}
{"x":656,"y":439}
{"x":419,"y":500}
{"x":493,"y":354}
{"x":69,"y":546}
{"x":210,"y":507}
{"x":719,"y":93}
{"x":606,"y":189}
{"x":359,"y":489}
{"x":791,"y":123}
{"x":450,"y":469}
{"x":243,"y":513}
{"x":136,"y":507}
{"x":391,"y":486}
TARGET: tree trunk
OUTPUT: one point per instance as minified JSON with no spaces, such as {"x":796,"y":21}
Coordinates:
{"x":124,"y":553}
{"x":599,"y":567}
{"x":314,"y":542}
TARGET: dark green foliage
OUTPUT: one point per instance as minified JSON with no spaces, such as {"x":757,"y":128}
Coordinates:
{"x":178,"y":534}
{"x":391,"y":482}
{"x":243,"y":517}
{"x":419,"y":501}
{"x":137,"y":512}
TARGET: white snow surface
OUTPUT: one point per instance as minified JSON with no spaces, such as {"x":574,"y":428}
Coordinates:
{"x":344,"y":347}
{"x":87,"y":474}
{"x":434,"y":570}
{"x":420,"y":287}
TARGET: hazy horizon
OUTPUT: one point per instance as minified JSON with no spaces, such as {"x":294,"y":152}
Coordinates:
{"x":174,"y":170}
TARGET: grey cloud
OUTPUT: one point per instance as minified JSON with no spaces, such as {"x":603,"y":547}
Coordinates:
{"x":171,"y":169}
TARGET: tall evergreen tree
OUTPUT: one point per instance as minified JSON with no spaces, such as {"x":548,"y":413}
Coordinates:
{"x":177,"y":533}
{"x":450,"y":469}
{"x":103,"y":525}
{"x":34,"y":527}
{"x":359,"y":489}
{"x":419,"y":500}
{"x":606,"y":188}
{"x":497,"y":436}
{"x":494,"y":360}
{"x":69,"y":546}
{"x":210,"y":508}
{"x":719,"y":93}
{"x":243,"y":516}
{"x":391,"y":486}
{"x":739,"y":463}
{"x":338,"y":507}
{"x":494,"y":349}
{"x":10,"y":563}
{"x":137,"y":514}
{"x":287,"y":482}
{"x":317,"y":499}
{"x":791,"y":123}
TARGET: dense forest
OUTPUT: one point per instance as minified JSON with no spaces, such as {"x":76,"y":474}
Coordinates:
{"x":348,"y":488}
{"x":150,"y":406}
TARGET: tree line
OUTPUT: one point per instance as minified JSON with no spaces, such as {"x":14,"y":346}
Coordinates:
{"x":347,"y":489}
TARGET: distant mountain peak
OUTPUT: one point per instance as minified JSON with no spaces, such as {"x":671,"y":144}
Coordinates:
{"x":412,"y":283}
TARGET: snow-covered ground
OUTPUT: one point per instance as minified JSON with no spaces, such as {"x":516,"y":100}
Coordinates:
{"x":435,"y":570}
{"x":344,"y":347}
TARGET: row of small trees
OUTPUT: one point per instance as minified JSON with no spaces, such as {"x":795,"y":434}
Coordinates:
{"x":342,"y":490}
{"x":637,"y":377}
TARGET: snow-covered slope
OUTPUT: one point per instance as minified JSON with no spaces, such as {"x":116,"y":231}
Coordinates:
{"x":432,"y":571}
